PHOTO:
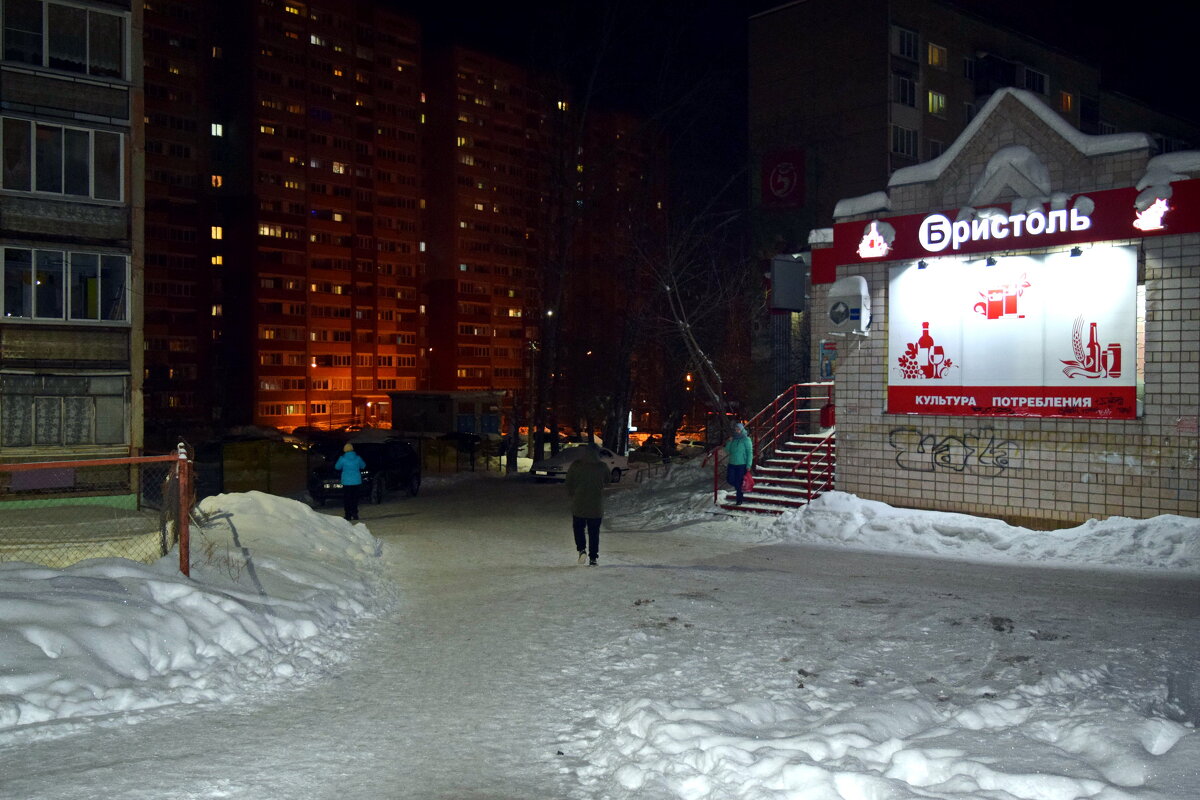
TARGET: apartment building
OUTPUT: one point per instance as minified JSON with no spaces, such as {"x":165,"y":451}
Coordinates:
{"x":486,"y":173}
{"x":289,"y":140}
{"x":70,"y":344}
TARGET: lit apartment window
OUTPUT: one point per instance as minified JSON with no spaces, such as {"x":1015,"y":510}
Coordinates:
{"x":218,"y":129}
{"x":563,"y":105}
{"x":217,"y":52}
{"x":1066,"y":101}
{"x":904,"y":43}
{"x":905,"y":90}
{"x":217,"y":232}
{"x":904,"y":141}
{"x":1035,"y":81}
{"x":317,"y":40}
{"x":937,"y":104}
{"x":339,"y":168}
{"x":217,"y":181}
{"x":218,"y":260}
{"x":936,"y":56}
{"x":265,"y":229}
{"x":269,"y":130}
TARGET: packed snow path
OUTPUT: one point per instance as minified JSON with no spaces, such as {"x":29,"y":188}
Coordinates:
{"x":692,"y":663}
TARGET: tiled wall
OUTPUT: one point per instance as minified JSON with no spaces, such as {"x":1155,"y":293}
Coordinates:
{"x":1040,"y":472}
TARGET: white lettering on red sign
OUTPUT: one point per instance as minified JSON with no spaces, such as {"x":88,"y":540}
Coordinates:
{"x":938,"y":232}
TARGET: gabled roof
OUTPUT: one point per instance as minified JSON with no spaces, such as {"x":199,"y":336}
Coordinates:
{"x":1086,"y":144}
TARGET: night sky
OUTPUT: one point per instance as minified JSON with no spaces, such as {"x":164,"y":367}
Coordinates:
{"x":684,"y":61}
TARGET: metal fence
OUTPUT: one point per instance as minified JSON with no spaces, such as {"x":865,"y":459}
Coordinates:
{"x":57,"y":513}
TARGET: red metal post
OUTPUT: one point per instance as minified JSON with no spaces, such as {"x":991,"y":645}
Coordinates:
{"x":183,"y":475}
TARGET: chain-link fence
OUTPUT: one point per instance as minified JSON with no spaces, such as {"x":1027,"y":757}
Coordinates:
{"x":58,"y":513}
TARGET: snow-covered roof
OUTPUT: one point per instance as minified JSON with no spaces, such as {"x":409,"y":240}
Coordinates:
{"x":1084,"y":143}
{"x":820,"y":236}
{"x":866,"y":204}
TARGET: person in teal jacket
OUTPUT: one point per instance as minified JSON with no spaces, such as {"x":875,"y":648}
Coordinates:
{"x":740,"y":452}
{"x":351,"y":465}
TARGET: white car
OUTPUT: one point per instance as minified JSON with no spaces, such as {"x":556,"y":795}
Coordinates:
{"x":555,"y":467}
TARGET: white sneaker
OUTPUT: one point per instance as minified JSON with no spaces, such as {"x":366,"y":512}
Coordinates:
{"x":582,"y":556}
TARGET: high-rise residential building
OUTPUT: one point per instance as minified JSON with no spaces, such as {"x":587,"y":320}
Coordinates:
{"x":70,"y":227}
{"x":337,"y":213}
{"x":294,"y":174}
{"x":486,"y":172}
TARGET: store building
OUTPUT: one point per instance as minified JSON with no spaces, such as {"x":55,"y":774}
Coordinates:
{"x":1016,"y":325}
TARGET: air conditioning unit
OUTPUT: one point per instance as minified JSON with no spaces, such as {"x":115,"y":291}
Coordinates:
{"x":848,"y":308}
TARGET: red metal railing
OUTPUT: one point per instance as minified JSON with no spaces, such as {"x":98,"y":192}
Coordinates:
{"x":795,"y":411}
{"x":818,"y":471}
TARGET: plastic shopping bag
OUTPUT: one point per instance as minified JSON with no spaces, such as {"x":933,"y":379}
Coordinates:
{"x":748,"y":482}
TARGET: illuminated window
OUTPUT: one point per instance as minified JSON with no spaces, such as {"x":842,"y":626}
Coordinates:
{"x":217,"y":181}
{"x":217,"y":310}
{"x":563,"y":105}
{"x":218,"y":129}
{"x":269,"y":130}
{"x":317,"y":40}
{"x":291,"y":9}
{"x":217,"y":232}
{"x":339,"y":168}
{"x":218,"y":260}
{"x":265,"y":229}
{"x":936,"y":56}
{"x":937,"y":104}
{"x":1066,"y":101}
{"x":217,"y":52}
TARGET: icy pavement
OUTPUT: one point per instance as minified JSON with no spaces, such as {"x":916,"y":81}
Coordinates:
{"x":705,"y":658}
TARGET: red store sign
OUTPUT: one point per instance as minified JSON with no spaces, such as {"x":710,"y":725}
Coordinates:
{"x":1088,"y":217}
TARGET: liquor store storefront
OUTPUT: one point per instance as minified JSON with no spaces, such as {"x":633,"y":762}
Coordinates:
{"x":1033,"y":350}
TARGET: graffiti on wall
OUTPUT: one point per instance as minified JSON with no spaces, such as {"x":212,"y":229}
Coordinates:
{"x":977,"y":451}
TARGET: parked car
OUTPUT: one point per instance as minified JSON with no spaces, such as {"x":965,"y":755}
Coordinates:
{"x":392,"y":465}
{"x":647,"y":454}
{"x":555,"y":468}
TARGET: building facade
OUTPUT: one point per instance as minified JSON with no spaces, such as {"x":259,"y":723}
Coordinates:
{"x":70,"y":227}
{"x":1033,"y":325}
{"x":829,"y":121}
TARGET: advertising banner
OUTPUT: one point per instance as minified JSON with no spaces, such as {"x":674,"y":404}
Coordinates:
{"x":1039,"y":336}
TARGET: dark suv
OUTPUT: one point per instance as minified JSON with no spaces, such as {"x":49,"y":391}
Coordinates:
{"x":392,"y":464}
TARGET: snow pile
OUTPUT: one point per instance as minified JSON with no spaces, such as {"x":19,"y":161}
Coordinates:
{"x":899,"y":746}
{"x":274,"y":587}
{"x":843,"y":520}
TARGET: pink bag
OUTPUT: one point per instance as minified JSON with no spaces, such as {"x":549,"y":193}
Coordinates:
{"x":748,"y":482}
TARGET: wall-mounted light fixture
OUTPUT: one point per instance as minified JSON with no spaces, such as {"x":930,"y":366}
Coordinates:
{"x":922,"y":264}
{"x":991,"y":261}
{"x":1076,"y":252}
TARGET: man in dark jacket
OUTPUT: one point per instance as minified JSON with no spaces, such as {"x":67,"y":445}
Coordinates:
{"x":585,"y":486}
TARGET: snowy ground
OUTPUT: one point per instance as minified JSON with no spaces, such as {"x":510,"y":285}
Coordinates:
{"x":449,"y":647}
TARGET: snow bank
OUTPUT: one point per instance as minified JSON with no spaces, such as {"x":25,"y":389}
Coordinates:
{"x":843,"y":520}
{"x":273,"y":590}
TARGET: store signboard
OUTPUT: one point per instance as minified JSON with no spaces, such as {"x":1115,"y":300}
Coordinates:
{"x":1050,"y":335}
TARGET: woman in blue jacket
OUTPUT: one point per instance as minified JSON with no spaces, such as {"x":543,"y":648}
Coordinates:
{"x":351,"y":465}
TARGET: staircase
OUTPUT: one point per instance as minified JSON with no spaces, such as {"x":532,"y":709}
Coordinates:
{"x":795,"y":454}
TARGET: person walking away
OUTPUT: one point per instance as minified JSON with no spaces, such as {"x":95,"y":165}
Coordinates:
{"x":585,"y":487}
{"x":740,"y":452}
{"x":350,"y":465}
